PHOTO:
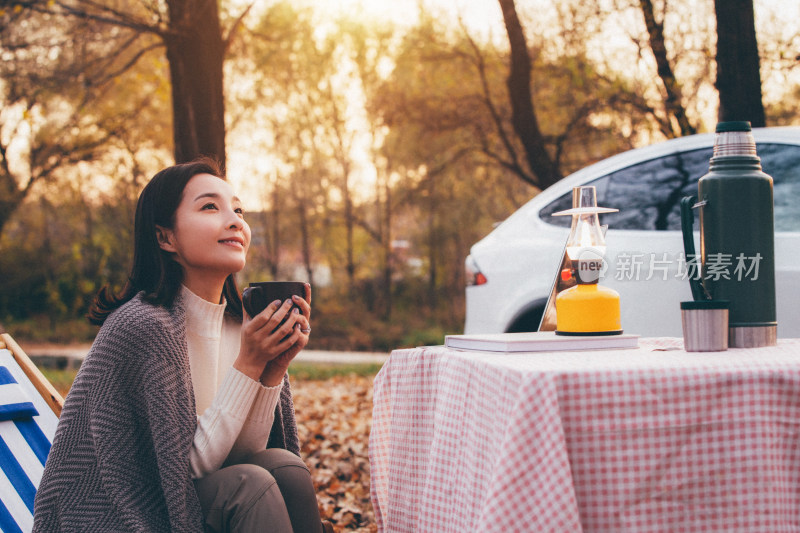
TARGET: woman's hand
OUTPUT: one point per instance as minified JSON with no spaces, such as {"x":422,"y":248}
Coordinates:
{"x":267,"y":346}
{"x":277,"y":367}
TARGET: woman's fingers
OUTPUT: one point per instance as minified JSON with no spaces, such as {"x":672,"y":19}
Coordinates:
{"x":303,"y":305}
{"x":304,"y":323}
{"x":288,"y":325}
{"x":272,"y":315}
{"x":289,"y":340}
{"x":278,"y":333}
{"x":261,"y":318}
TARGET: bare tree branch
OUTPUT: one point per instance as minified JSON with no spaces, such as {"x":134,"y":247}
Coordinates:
{"x":673,"y":102}
{"x":235,"y":26}
{"x":524,"y":118}
{"x":514,"y":165}
{"x":111,"y":16}
{"x":130,"y":63}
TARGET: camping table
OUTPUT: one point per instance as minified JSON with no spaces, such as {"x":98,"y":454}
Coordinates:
{"x":645,"y":439}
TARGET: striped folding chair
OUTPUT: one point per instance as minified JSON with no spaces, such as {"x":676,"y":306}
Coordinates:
{"x":29,"y":409}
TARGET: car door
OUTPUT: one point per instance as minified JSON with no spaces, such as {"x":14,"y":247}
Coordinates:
{"x":782,"y":162}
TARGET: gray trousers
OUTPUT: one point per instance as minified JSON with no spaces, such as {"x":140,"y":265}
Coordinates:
{"x":270,"y":492}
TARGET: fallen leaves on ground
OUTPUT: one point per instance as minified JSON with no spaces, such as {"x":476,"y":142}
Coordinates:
{"x":334,"y":419}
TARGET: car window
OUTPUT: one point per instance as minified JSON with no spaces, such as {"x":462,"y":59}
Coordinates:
{"x":782,"y":162}
{"x":648,"y":194}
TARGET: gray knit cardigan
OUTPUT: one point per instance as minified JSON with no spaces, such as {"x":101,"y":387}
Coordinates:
{"x":120,"y":456}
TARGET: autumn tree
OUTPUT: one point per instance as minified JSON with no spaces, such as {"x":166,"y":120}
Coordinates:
{"x":369,"y":46}
{"x":281,"y":116}
{"x":526,"y":124}
{"x":673,"y":95}
{"x":305,"y":96}
{"x":68,"y":101}
{"x":451,"y":84}
{"x":190,"y":33}
{"x":738,"y":79}
{"x":440,"y":149}
{"x":70,"y":241}
{"x":66,"y":54}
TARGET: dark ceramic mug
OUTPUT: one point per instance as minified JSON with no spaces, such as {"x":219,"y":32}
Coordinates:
{"x":259,"y":295}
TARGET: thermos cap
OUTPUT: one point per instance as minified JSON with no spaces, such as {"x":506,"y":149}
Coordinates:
{"x":735,"y":125}
{"x":734,"y":139}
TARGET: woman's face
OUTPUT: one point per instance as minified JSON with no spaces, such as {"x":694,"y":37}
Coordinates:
{"x":209,"y":237}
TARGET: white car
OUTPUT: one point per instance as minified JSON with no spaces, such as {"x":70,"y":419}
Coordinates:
{"x":511,"y":271}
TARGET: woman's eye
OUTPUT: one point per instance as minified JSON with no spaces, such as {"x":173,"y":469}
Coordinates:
{"x":239,"y":210}
{"x":209,"y":206}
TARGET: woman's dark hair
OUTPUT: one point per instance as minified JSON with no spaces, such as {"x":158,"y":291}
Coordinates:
{"x":154,"y":271}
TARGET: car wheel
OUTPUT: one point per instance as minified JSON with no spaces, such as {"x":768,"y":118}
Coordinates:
{"x":528,"y":320}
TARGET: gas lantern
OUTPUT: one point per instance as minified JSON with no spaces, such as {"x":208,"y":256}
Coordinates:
{"x":586,"y":308}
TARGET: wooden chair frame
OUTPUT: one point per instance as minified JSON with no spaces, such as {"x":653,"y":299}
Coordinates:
{"x":42,"y":385}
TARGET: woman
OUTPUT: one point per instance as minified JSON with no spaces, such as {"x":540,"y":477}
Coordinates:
{"x":181,"y":416}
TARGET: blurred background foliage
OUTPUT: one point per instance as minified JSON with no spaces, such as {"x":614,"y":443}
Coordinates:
{"x":370,"y":154}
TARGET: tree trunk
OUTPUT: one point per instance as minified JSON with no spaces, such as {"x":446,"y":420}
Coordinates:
{"x":306,"y":240}
{"x":195,"y":51}
{"x":10,"y":198}
{"x":385,"y":224}
{"x":738,"y":74}
{"x":433,"y":244}
{"x":305,"y":233}
{"x":343,"y":158}
{"x":349,"y":222}
{"x":673,"y":101}
{"x":270,"y":219}
{"x":526,"y":126}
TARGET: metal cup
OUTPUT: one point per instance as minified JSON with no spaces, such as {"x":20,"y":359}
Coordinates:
{"x":705,"y":325}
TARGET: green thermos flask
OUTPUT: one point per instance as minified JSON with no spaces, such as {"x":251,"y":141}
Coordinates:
{"x":737,"y":237}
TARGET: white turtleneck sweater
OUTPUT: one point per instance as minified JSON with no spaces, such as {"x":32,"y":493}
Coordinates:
{"x":235,"y":412}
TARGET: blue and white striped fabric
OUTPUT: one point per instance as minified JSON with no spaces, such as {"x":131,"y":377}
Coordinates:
{"x":27,"y":426}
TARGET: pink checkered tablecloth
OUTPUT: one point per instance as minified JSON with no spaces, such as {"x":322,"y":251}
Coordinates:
{"x":651,"y":439}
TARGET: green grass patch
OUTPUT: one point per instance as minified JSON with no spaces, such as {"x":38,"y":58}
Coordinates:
{"x":306,"y":371}
{"x":60,"y":379}
{"x":42,"y":329}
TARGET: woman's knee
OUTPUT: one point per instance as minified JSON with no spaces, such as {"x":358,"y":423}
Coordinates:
{"x":294,"y":480}
{"x":273,"y":459}
{"x":292,"y":475}
{"x":242,"y":497}
{"x":249,"y":482}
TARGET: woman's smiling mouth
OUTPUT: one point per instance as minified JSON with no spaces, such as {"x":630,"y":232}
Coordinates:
{"x":233,"y":241}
